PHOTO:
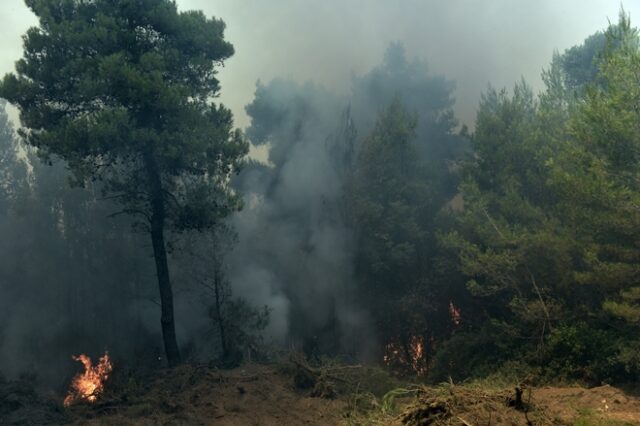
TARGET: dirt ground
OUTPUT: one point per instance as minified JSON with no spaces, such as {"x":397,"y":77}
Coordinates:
{"x":265,"y":395}
{"x":604,"y":402}
{"x":249,"y":396}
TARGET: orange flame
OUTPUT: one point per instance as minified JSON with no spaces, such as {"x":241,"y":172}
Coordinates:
{"x":456,"y":316}
{"x":412,"y":358}
{"x":86,"y":386}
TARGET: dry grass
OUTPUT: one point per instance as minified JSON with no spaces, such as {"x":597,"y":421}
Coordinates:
{"x":332,"y":394}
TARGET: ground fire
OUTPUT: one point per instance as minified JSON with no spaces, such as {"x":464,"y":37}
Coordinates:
{"x":89,"y":384}
{"x":407,"y":357}
{"x":456,"y":316}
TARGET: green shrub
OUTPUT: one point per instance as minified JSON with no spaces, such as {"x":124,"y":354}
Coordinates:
{"x":583,"y":352}
{"x":472,"y":354}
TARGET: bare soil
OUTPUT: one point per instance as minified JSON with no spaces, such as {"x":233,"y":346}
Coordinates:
{"x":188,"y":395}
{"x":268,"y":395}
{"x":604,"y":402}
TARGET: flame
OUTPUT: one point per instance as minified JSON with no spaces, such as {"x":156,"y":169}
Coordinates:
{"x":413,"y":358}
{"x":456,"y":316}
{"x":86,"y":386}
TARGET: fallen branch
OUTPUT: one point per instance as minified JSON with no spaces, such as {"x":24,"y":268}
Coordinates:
{"x":464,"y":422}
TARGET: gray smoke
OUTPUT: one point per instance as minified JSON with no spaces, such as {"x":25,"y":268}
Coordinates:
{"x":296,"y":250}
{"x":473,"y":43}
{"x":72,"y":279}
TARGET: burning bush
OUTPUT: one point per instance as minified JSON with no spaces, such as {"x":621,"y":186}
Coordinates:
{"x":408,"y":357}
{"x":89,"y":384}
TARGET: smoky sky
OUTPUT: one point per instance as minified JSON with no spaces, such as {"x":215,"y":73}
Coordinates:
{"x":472,"y":42}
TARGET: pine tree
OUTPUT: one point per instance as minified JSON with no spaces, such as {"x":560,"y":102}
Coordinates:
{"x":123,"y":93}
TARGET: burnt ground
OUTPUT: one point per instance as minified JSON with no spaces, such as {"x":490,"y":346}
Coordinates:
{"x":294,"y":394}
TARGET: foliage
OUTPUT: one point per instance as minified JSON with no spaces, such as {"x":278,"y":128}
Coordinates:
{"x":506,"y":253}
{"x":13,"y":171}
{"x":427,"y":95}
{"x":353,"y":189}
{"x":63,"y":257}
{"x":144,"y":88}
{"x":394,"y":202}
{"x":549,"y":222}
{"x":243,"y":326}
{"x":232,"y":332}
{"x":581,"y":352}
{"x":473,"y":354}
{"x":511,"y":251}
{"x":123,"y":93}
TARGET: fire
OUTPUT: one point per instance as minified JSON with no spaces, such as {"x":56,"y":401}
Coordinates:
{"x":412,"y":357}
{"x":456,"y":316}
{"x":89,"y":384}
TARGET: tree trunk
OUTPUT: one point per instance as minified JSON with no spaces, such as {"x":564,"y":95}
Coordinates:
{"x":217,"y":285}
{"x":162,"y":267}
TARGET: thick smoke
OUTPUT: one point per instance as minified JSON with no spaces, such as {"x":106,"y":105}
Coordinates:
{"x":294,"y":251}
{"x":296,"y":243}
{"x":473,"y":43}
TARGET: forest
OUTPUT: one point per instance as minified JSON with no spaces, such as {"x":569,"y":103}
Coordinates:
{"x":377,"y":230}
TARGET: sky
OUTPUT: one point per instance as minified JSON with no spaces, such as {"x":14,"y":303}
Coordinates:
{"x":474,"y":42}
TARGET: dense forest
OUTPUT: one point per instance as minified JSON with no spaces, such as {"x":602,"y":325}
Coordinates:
{"x":379,"y":229}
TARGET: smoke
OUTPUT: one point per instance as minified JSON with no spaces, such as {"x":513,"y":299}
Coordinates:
{"x":296,"y":250}
{"x":76,"y":279}
{"x":473,"y":43}
{"x":72,"y":279}
{"x":294,"y":246}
